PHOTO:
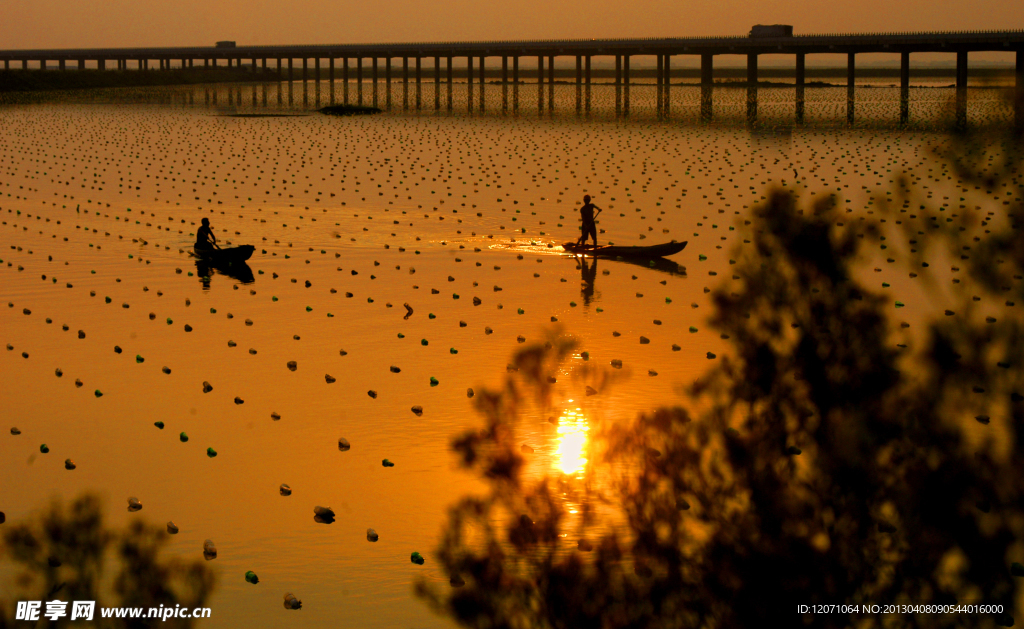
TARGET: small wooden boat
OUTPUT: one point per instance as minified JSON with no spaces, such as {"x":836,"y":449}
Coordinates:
{"x":225,"y":256}
{"x":609,"y":251}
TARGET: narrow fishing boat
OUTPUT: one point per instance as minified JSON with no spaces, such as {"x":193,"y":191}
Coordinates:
{"x":610,"y":251}
{"x":225,"y":256}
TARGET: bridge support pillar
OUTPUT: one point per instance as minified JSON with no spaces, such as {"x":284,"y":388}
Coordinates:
{"x":751,"y":88}
{"x":579,"y":84}
{"x":483,"y":82}
{"x":469,"y":83}
{"x":405,"y":82}
{"x":448,"y":77}
{"x":515,"y":84}
{"x":586,"y":81}
{"x":668,"y":85}
{"x":24,"y":64}
{"x":60,"y":64}
{"x":551,"y":83}
{"x":359,"y":81}
{"x":374,"y":81}
{"x":419,"y":81}
{"x":81,"y":65}
{"x":659,"y":77}
{"x":540,"y":84}
{"x":101,"y":64}
{"x":344,"y":79}
{"x":625,"y":85}
{"x":305,"y":70}
{"x":851,"y":77}
{"x":801,"y":79}
{"x":291,"y":70}
{"x":437,"y":83}
{"x":387,"y":83}
{"x":330,"y":74}
{"x":504,"y":84}
{"x":707,"y":86}
{"x":961,"y":89}
{"x":618,"y":85}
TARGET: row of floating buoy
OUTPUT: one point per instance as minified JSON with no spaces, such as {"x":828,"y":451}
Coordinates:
{"x":619,"y":365}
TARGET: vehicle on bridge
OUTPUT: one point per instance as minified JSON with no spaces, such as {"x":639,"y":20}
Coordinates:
{"x":773,"y":30}
{"x":231,"y":44}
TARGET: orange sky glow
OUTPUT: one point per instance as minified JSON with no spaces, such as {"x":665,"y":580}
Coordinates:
{"x":118,"y":23}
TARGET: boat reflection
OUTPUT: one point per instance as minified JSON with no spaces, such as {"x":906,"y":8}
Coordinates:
{"x":236,"y":270}
{"x":571,"y":454}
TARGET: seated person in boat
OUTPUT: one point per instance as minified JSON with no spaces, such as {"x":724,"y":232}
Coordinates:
{"x":589,"y":227}
{"x":204,"y":237}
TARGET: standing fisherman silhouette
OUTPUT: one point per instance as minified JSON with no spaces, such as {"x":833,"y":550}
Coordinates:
{"x":204,"y":237}
{"x":589,"y":227}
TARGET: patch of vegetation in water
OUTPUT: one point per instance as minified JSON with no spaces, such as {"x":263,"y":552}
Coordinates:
{"x":349,"y":110}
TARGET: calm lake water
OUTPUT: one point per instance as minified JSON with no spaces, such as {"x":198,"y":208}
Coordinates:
{"x":352,"y":218}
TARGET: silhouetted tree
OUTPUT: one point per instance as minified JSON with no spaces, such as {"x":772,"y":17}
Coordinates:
{"x":63,"y":555}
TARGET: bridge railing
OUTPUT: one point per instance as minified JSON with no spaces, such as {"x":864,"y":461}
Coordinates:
{"x":576,"y":43}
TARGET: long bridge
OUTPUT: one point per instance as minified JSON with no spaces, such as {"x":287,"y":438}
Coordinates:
{"x":510,"y":53}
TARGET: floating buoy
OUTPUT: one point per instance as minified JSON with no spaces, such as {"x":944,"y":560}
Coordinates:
{"x":285,"y":490}
{"x":134,"y":504}
{"x":290,"y":602}
{"x":371,"y":535}
{"x":209,"y":550}
{"x":251,"y":577}
{"x":172,"y":528}
{"x":343,"y":444}
{"x":417,"y":558}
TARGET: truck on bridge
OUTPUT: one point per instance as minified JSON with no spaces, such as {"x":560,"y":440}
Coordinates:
{"x":225,"y":44}
{"x":773,"y":30}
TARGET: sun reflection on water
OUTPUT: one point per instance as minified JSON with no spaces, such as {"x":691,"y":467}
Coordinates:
{"x":571,"y":457}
